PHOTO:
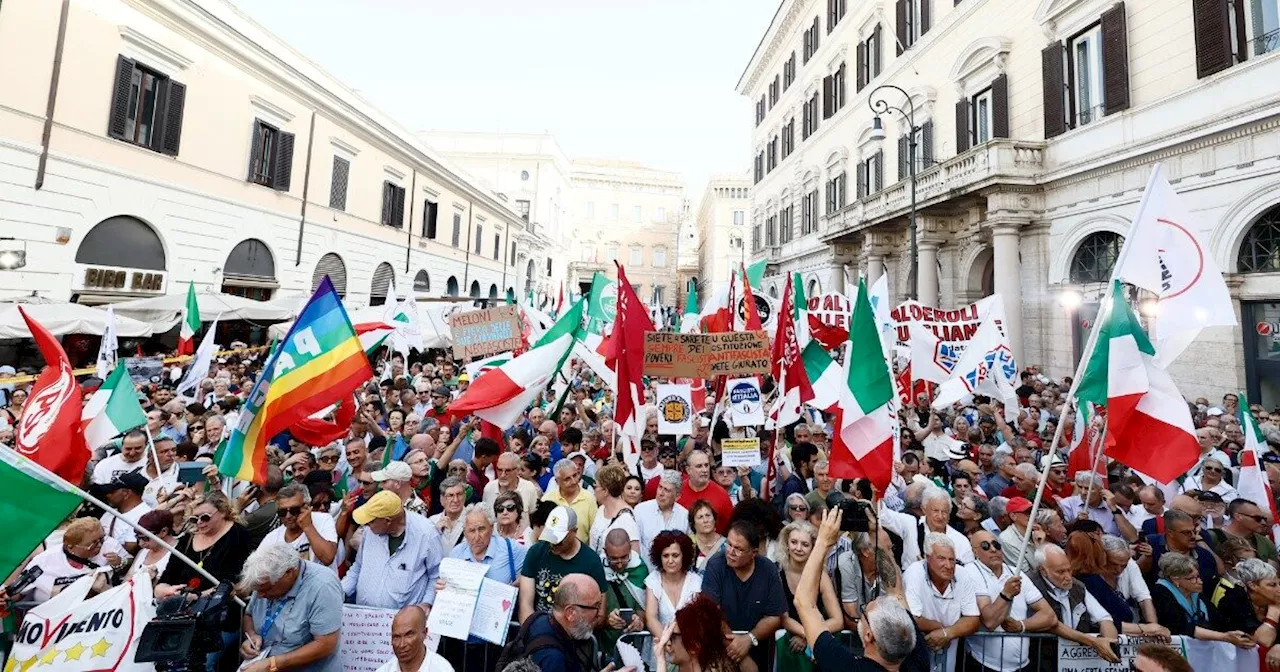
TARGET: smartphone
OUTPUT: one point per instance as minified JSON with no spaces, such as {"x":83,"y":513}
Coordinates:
{"x":626,"y":615}
{"x":191,"y":472}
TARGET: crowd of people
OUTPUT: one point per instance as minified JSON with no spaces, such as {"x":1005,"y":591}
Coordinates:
{"x":700,"y":565}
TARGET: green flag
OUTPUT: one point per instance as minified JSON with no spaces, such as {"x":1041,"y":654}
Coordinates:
{"x":34,"y":503}
{"x":602,"y":303}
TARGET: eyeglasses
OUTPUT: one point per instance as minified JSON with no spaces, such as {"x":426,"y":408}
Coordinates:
{"x":1256,"y":519}
{"x":794,"y":507}
{"x":506,"y":508}
{"x":202,"y":518}
{"x":327,"y":458}
{"x":593,"y":608}
{"x":294,"y":511}
{"x":93,"y":544}
{"x":988,"y":545}
{"x":197,"y":428}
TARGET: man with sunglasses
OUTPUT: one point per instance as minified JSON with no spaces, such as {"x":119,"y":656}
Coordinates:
{"x":1005,"y":604}
{"x":313,"y":535}
{"x":1247,"y":522}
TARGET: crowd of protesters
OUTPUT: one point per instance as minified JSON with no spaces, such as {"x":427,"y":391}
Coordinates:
{"x":703,"y":566}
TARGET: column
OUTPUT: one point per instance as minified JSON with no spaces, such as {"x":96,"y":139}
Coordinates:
{"x":1004,"y":237}
{"x":927,"y":279}
{"x":875,"y":267}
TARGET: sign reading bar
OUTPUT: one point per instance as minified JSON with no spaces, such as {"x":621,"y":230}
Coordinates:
{"x":737,"y":353}
{"x":480,"y":333}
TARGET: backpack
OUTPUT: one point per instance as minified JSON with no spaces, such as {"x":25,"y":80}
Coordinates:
{"x":521,"y":646}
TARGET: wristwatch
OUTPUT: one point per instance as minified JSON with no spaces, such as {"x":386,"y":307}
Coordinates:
{"x":752,"y":636}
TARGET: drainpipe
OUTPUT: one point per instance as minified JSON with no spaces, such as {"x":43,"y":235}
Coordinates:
{"x":466,"y":270}
{"x":52,"y":102}
{"x":408,"y":241}
{"x":306,"y":189}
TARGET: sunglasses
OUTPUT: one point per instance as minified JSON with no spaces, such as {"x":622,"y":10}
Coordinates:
{"x":327,"y":458}
{"x":988,"y":545}
{"x":202,"y":518}
{"x":1215,"y":470}
{"x":798,"y":508}
{"x":197,"y":428}
{"x":506,"y":508}
{"x":294,"y":511}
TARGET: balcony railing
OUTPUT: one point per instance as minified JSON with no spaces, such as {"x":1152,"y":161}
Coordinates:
{"x":998,"y":161}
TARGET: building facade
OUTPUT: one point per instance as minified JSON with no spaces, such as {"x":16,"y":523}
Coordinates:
{"x":180,"y":141}
{"x":722,"y":229}
{"x":1031,"y":128}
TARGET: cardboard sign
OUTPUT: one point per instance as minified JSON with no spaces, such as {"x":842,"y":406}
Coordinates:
{"x":745,"y":402}
{"x":675,"y":409}
{"x":1219,"y":656}
{"x":672,"y":355}
{"x":740,"y":452}
{"x":480,"y":333}
{"x":366,"y":638}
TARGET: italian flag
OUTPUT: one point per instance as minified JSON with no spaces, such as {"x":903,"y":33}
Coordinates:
{"x":825,"y":376}
{"x":1148,"y":423}
{"x":1253,"y":484}
{"x":800,"y":312}
{"x":373,"y":335}
{"x":502,"y":394}
{"x":112,"y":410}
{"x":35,"y":501}
{"x":1083,"y":451}
{"x":689,"y":321}
{"x":190,"y":322}
{"x":864,"y":442}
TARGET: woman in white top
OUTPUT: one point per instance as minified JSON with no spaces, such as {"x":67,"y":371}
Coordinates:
{"x":153,"y":557}
{"x":614,"y":513}
{"x":1211,"y":479}
{"x":74,"y":552}
{"x":675,"y":582}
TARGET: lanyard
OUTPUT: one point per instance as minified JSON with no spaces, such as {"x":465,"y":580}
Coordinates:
{"x":272,"y":615}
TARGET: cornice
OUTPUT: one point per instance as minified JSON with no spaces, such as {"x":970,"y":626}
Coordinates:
{"x":778,"y":32}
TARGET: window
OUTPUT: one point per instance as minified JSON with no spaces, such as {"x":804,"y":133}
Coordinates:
{"x":522,"y":207}
{"x":759,"y":174}
{"x":981,"y":117}
{"x":871,"y":174}
{"x":591,"y":210}
{"x":755,"y":235}
{"x":870,"y":61}
{"x":1085,"y":77}
{"x":785,"y":223}
{"x":913,"y":22}
{"x":772,"y":148}
{"x":739,"y":217}
{"x":512,"y":260}
{"x":833,"y":94}
{"x":637,"y":256}
{"x":789,"y":72}
{"x":549,"y":262}
{"x":659,"y":257}
{"x":146,"y":108}
{"x":430,"y":210}
{"x":835,"y":12}
{"x":612,"y":250}
{"x":788,"y":138}
{"x":760,"y":110}
{"x":836,"y":193}
{"x":588,"y":253}
{"x":809,"y":213}
{"x":811,"y":39}
{"x":771,"y":231}
{"x":392,"y":205}
{"x":658,"y":292}
{"x":457,"y":229}
{"x":1260,"y":250}
{"x":479,"y":237}
{"x":915,"y":149}
{"x":1228,"y":32}
{"x":774,"y":90}
{"x":497,"y":247}
{"x":637,"y":214}
{"x":1086,"y":85}
{"x":1096,"y":257}
{"x":662,"y":214}
{"x":338,"y":184}
{"x":613,"y":212}
{"x":810,"y":117}
{"x":270,"y":156}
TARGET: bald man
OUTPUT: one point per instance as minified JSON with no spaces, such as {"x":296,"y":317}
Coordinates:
{"x":578,"y":604}
{"x":551,"y":430}
{"x":507,"y":479}
{"x":408,"y":642}
{"x":1184,"y":503}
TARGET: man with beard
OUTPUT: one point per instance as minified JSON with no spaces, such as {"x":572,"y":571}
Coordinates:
{"x":552,"y":640}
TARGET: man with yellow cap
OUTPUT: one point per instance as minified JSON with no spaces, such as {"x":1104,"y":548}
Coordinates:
{"x":399,"y":559}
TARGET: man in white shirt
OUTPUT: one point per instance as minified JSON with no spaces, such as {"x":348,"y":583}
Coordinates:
{"x":1004,"y":603}
{"x":133,"y":450}
{"x":936,"y":505}
{"x":507,"y":479}
{"x":313,"y":534}
{"x":942,"y":600}
{"x":124,"y":494}
{"x":1150,"y":505}
{"x":649,"y":464}
{"x":661,"y":513}
{"x":1079,"y":614}
{"x":450,"y":522}
{"x":408,"y":642}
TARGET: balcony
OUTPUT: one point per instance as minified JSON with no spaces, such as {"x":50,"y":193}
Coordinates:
{"x":1013,"y":162}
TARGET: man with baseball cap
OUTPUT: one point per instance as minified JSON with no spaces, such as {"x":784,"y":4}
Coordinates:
{"x":1019,"y":509}
{"x":397,"y":477}
{"x":558,"y":553}
{"x":124,"y":494}
{"x":399,"y":559}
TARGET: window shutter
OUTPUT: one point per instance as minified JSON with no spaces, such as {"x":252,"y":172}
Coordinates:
{"x":175,"y":98}
{"x":120,"y":98}
{"x":1213,"y":36}
{"x":397,"y":214}
{"x":924,"y":16}
{"x":284,"y":161}
{"x":255,"y":147}
{"x":1000,"y":107}
{"x":1055,"y":115}
{"x":902,"y":24}
{"x":1115,"y":59}
{"x":862,"y":65}
{"x":338,"y":186}
{"x":385,"y":218}
{"x":903,"y":148}
{"x":962,"y":125}
{"x":817,"y":29}
{"x":862,"y":180}
{"x":879,"y":171}
{"x":826,"y":96}
{"x":926,"y":145}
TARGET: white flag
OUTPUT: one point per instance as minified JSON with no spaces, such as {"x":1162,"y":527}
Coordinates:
{"x":200,"y":365}
{"x":675,"y":409}
{"x":1164,"y":255}
{"x":71,"y":634}
{"x":107,"y":350}
{"x":987,"y":367}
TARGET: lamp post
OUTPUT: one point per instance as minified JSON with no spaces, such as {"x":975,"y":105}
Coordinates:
{"x":879,"y":105}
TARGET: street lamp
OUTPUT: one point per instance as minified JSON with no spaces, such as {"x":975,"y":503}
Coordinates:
{"x":879,"y":105}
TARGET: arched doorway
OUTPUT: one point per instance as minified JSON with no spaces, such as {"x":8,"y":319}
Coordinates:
{"x":452,"y":286}
{"x":475,"y":289}
{"x":982,"y":276}
{"x":384,"y":276}
{"x":528,"y":276}
{"x":493,"y":291}
{"x":250,"y":271}
{"x":333,"y":266}
{"x":1259,"y":254}
{"x":120,"y":257}
{"x":1091,"y":264}
{"x":422,"y":283}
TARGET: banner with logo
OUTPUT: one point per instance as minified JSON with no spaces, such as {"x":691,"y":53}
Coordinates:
{"x":745,"y":402}
{"x":937,"y":337}
{"x":766,"y":307}
{"x":675,"y":409}
{"x":71,"y":634}
{"x":1217,"y":656}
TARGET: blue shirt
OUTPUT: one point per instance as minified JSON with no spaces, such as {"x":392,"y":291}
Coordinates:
{"x":312,"y":608}
{"x":379,"y":578}
{"x":503,"y":556}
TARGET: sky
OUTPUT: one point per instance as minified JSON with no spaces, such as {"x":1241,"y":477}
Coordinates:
{"x":650,"y":81}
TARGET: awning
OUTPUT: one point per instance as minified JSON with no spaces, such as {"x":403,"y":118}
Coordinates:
{"x":164,"y":312}
{"x":431,"y":316}
{"x":65,"y":318}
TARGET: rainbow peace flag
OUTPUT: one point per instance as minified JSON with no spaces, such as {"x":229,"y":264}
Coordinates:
{"x":318,"y":363}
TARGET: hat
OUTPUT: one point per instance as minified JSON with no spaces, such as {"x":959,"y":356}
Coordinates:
{"x":394,"y":471}
{"x":441,"y":391}
{"x":1214,"y":412}
{"x":384,"y":504}
{"x":1050,"y":460}
{"x":1018,"y":505}
{"x":131,"y":480}
{"x":1209,"y":496}
{"x":560,"y":523}
{"x":579,"y":453}
{"x":464,"y":378}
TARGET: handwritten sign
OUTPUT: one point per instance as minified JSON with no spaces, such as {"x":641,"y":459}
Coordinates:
{"x":492,"y":619}
{"x":740,"y":452}
{"x":672,"y":355}
{"x":480,"y":333}
{"x":451,"y":612}
{"x":1218,"y":656}
{"x":366,"y":638}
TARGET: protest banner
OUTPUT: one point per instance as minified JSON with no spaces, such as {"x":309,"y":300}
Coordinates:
{"x":832,"y":309}
{"x":73,"y":634}
{"x":1217,"y":656}
{"x":454,"y":606}
{"x":736,"y":353}
{"x":675,"y":409}
{"x":740,"y":452}
{"x":366,"y":638}
{"x":143,"y":369}
{"x":937,"y":337}
{"x":745,"y":402}
{"x":480,"y":333}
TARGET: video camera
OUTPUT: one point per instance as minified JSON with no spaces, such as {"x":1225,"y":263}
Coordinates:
{"x":184,"y":631}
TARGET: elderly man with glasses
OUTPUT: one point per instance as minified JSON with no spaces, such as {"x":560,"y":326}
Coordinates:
{"x":1100,"y":508}
{"x":1005,"y":604}
{"x":294,"y":616}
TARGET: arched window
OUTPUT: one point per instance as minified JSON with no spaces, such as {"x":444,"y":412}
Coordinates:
{"x":493,"y":291}
{"x":1096,"y":257}
{"x":331,"y":265}
{"x":122,"y":241}
{"x":383,"y":277}
{"x":814,"y":288}
{"x":548,"y":267}
{"x":250,"y":271}
{"x":1260,"y":250}
{"x":421,"y":282}
{"x":453,"y":286}
{"x":475,"y":289}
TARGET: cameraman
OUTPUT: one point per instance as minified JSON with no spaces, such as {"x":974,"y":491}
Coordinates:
{"x":294,"y":616}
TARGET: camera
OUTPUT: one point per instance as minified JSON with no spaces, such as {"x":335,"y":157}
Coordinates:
{"x":185,"y":631}
{"x":856,"y":516}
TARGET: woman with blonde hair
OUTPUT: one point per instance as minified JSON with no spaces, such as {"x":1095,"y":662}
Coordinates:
{"x":614,"y":512}
{"x":216,"y":541}
{"x":795,"y":544}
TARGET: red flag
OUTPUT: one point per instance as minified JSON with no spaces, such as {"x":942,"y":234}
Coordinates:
{"x":50,"y":432}
{"x":560,"y":301}
{"x":830,"y":337}
{"x":788,"y":366}
{"x":751,"y":320}
{"x":627,"y":342}
{"x":321,"y":432}
{"x":698,"y":393}
{"x":489,"y":430}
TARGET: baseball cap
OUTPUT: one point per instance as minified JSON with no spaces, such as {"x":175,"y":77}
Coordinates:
{"x":1210,"y":497}
{"x":579,"y":453}
{"x":382,"y":505}
{"x":1050,"y":460}
{"x":562,"y":521}
{"x":131,"y":480}
{"x":441,"y":391}
{"x":394,"y":471}
{"x":1018,"y":505}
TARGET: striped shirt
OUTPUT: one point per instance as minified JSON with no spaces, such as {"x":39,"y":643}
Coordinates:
{"x":379,"y":578}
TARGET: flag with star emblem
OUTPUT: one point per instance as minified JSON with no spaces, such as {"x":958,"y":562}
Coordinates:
{"x":71,"y":634}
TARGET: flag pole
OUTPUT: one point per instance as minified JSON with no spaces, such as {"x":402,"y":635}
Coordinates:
{"x":155,"y":457}
{"x":1100,"y":442}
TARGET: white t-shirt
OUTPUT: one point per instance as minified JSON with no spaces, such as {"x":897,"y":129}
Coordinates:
{"x":647,"y":474}
{"x":1131,"y":584}
{"x":167,"y":481}
{"x":601,"y":526}
{"x":923,"y":600}
{"x":106,"y":470}
{"x":433,"y":662}
{"x":58,"y":571}
{"x":325,"y":527}
{"x":121,"y":531}
{"x":1006,"y":654}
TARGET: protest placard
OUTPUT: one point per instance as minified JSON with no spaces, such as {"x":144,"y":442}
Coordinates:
{"x":143,"y":369}
{"x":494,"y":606}
{"x":1217,"y":656}
{"x":671,"y":355}
{"x":740,"y":452}
{"x":746,"y":404}
{"x":451,"y":612}
{"x":675,"y":409}
{"x":366,"y":638}
{"x":480,"y":333}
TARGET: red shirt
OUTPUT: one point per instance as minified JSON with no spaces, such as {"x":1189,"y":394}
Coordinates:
{"x":715,"y":496}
